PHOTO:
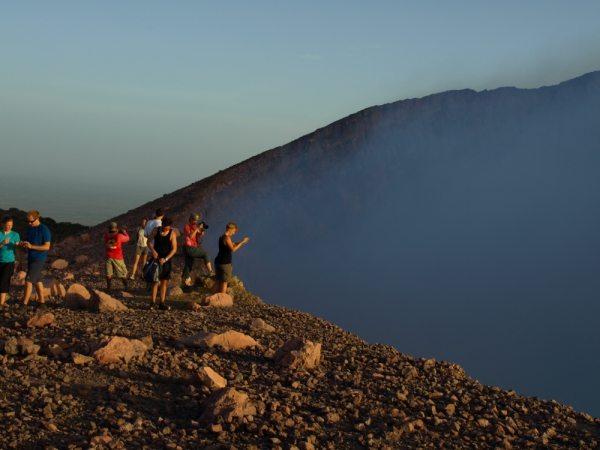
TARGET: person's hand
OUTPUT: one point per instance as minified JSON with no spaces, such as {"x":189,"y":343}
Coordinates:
{"x":26,"y":245}
{"x":162,"y":260}
{"x":246,"y":239}
{"x":6,"y":241}
{"x":154,"y":254}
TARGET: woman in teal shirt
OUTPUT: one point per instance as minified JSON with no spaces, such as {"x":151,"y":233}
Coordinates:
{"x":8,"y":250}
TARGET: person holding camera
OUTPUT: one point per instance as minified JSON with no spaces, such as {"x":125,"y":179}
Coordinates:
{"x":113,"y":244}
{"x":192,"y":248}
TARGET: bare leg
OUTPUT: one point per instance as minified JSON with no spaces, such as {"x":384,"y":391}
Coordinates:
{"x":135,"y":264}
{"x":209,"y":267}
{"x":144,"y":258}
{"x":28,"y":291}
{"x":40,"y":291}
{"x":108,"y":282}
{"x":154,"y":292}
{"x":216,"y":287}
{"x":163,"y":290}
{"x":2,"y":298}
{"x":223,"y":289}
{"x":125,"y":285}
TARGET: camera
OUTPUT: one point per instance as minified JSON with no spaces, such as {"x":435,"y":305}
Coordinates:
{"x":203,"y":225}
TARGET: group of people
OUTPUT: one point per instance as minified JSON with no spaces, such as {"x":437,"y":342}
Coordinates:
{"x":153,"y":237}
{"x":37,"y":244}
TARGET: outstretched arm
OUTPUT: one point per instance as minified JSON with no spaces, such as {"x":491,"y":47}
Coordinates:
{"x":233,"y":246}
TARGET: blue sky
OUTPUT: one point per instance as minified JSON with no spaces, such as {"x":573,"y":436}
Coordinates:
{"x":152,"y":96}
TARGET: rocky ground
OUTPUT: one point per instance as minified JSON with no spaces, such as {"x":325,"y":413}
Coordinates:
{"x":56,"y":392}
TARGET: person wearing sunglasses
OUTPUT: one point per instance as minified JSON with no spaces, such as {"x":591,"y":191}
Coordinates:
{"x":37,"y":244}
{"x":8,"y":249}
{"x":193,"y":233}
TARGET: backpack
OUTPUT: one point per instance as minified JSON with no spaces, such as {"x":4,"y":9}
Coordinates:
{"x":152,"y":271}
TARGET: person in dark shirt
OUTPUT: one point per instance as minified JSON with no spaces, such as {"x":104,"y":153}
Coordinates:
{"x":223,"y":261}
{"x":162,"y":242}
{"x":37,"y":244}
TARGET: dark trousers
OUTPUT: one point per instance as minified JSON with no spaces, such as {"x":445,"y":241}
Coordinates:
{"x":190,"y":254}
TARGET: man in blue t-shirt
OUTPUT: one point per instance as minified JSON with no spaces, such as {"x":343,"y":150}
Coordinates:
{"x":37,"y":244}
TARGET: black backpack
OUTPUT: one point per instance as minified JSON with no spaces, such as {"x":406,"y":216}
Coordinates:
{"x":152,"y":271}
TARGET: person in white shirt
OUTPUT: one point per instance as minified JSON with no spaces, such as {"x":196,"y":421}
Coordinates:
{"x":141,"y":247}
{"x":152,"y":224}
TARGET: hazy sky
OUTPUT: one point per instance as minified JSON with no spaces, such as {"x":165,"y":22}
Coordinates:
{"x":161,"y":94}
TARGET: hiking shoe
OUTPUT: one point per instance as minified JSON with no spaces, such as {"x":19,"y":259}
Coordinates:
{"x":164,"y":307}
{"x":132,"y":277}
{"x":152,"y":306}
{"x":41,"y":307}
{"x":21,"y":310}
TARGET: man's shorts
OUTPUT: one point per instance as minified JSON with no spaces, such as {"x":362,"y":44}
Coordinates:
{"x":224,"y":272}
{"x":165,"y":273}
{"x":142,"y":251}
{"x":116,"y":266}
{"x":34,"y":271}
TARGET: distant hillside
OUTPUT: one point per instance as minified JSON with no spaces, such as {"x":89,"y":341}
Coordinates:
{"x":462,"y":225}
{"x":59,"y":230}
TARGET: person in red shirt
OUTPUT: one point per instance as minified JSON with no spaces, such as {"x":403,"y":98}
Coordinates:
{"x":192,"y":249}
{"x":113,"y":244}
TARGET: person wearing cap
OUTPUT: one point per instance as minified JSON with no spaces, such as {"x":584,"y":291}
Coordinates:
{"x":113,"y":245}
{"x":193,"y":233}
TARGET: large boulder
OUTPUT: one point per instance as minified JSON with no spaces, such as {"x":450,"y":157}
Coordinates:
{"x":59,"y":264}
{"x":227,"y":403}
{"x":298,"y":354}
{"x":230,"y":340}
{"x":205,"y":376}
{"x":40,"y":320}
{"x":101,"y":302}
{"x":217,"y":300}
{"x":118,"y":350}
{"x":77,"y":297}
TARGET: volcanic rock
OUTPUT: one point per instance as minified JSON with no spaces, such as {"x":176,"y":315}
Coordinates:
{"x":84,"y":238}
{"x":298,"y":354}
{"x":119,"y":349}
{"x":205,"y":376}
{"x":59,"y":264}
{"x":77,"y":297}
{"x":81,"y":259}
{"x":40,"y":320}
{"x":80,"y":359}
{"x":217,"y":300}
{"x":228,"y":404}
{"x":261,"y":325}
{"x":101,"y":302}
{"x":230,"y":340}
{"x":174,"y":291}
